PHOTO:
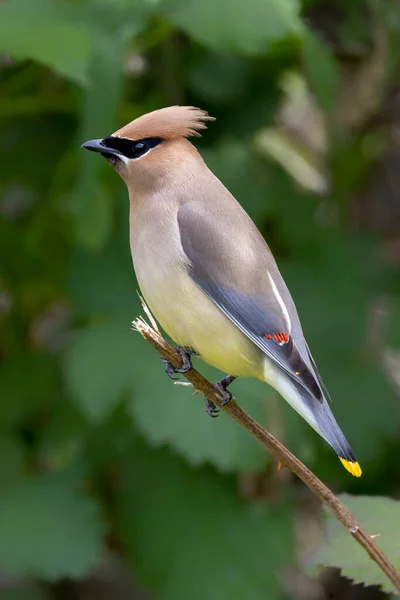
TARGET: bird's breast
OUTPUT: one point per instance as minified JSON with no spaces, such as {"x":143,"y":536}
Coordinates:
{"x":183,"y":310}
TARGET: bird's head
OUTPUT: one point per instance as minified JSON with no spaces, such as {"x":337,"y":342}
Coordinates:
{"x":151,"y":145}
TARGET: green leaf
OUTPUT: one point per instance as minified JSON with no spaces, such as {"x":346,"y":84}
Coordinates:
{"x":49,"y":528}
{"x":108,"y":360}
{"x":377,"y":515}
{"x":99,"y":367}
{"x":169,"y":414}
{"x":248,"y":28}
{"x":42,"y":30}
{"x":186,"y":533}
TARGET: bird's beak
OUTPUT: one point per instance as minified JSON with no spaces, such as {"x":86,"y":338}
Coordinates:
{"x":98,"y":146}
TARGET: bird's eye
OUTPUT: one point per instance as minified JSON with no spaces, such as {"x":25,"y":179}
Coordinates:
{"x":140,"y":148}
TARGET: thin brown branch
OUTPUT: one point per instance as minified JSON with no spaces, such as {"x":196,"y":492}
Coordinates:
{"x":284,"y":456}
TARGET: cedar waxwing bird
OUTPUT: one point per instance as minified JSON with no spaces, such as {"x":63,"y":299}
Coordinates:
{"x":207,"y":273}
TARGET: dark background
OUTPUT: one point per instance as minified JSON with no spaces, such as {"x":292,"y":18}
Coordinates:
{"x":112,"y":479}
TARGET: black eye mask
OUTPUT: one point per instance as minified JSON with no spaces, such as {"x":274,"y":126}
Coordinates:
{"x":131,"y":148}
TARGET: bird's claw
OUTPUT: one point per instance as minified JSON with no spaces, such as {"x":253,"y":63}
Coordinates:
{"x":186,"y":366}
{"x":226,"y":396}
{"x":169,"y":369}
{"x":211,"y":407}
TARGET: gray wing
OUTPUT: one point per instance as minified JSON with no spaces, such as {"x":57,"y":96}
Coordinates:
{"x":234,"y":276}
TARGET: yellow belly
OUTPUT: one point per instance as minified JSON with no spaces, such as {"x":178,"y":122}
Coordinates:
{"x":191,"y":319}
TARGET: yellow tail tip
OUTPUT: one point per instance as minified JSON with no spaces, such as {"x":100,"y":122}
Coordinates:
{"x":352,"y":467}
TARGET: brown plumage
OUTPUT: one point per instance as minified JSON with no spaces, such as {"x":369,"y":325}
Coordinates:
{"x":206,"y":271}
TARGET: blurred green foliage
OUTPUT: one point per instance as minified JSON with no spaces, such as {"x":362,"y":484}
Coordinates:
{"x":343,"y":551}
{"x":99,"y":452}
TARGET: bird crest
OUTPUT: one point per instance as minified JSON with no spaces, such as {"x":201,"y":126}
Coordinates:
{"x":169,"y":123}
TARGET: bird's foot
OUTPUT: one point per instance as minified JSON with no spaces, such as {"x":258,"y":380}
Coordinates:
{"x":186,"y":366}
{"x":211,"y":408}
{"x":221,"y":385}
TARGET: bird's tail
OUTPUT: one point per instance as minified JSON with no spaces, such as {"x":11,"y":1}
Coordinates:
{"x":332,"y":433}
{"x":320,"y":417}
